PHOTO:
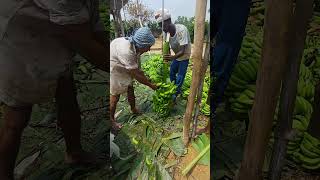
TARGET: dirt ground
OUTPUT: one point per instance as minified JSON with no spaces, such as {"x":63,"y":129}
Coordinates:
{"x":199,"y":172}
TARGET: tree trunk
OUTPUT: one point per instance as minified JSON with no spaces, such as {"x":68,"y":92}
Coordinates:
{"x":274,"y":59}
{"x":197,"y":60}
{"x":121,"y":24}
{"x":302,"y":14}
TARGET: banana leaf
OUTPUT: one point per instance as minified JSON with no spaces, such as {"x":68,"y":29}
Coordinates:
{"x":199,"y":144}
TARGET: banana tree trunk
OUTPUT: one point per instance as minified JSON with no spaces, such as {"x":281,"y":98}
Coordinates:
{"x":302,"y":14}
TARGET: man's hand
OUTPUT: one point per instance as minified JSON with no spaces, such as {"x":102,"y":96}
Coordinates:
{"x":167,"y":58}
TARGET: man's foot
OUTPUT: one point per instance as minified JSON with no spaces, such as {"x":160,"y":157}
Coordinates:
{"x":80,"y":158}
{"x":136,"y":111}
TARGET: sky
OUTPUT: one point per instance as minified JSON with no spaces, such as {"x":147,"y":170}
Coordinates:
{"x":176,"y":7}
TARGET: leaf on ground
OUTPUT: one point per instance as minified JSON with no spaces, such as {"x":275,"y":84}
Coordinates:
{"x":176,"y":145}
{"x":114,"y":148}
{"x":25,"y":163}
{"x":162,"y":173}
{"x":199,"y":144}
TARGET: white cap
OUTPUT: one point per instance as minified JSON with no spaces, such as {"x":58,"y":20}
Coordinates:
{"x":158,"y":15}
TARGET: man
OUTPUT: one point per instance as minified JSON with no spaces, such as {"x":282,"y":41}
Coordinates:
{"x":38,"y":39}
{"x":180,"y":43}
{"x":229,"y":19}
{"x":124,"y":55}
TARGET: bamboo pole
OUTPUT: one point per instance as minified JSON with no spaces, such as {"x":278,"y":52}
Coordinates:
{"x":299,"y":22}
{"x":199,"y":28}
{"x":271,"y":72}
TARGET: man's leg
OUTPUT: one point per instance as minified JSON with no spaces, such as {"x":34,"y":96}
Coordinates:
{"x":183,"y":66}
{"x":174,"y":67}
{"x":70,"y":121}
{"x":132,"y":100}
{"x":113,"y":106}
{"x":14,"y":122}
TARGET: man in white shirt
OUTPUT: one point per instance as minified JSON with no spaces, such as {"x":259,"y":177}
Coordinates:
{"x":38,"y":39}
{"x":124,"y":55}
{"x":180,"y":43}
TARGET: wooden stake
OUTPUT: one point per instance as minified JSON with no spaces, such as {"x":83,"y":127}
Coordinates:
{"x":302,"y":14}
{"x":199,"y":27}
{"x":200,"y":89}
{"x":274,"y":59}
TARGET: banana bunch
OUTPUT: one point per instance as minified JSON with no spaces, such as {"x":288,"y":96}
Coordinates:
{"x":245,"y":71}
{"x":205,"y":108}
{"x":305,"y":73}
{"x":293,"y":145}
{"x":306,"y":89}
{"x":242,"y":102}
{"x":156,"y":69}
{"x":316,"y":68}
{"x":162,"y":99}
{"x":187,"y":83}
{"x":308,"y":154}
{"x":303,"y":107}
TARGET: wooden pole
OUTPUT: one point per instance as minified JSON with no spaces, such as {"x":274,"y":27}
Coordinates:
{"x":200,"y":88}
{"x":199,"y":27}
{"x":302,"y":14}
{"x":274,"y":59}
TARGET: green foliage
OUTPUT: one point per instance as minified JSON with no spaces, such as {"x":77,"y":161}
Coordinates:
{"x":104,"y":15}
{"x":189,"y":23}
{"x":152,"y":144}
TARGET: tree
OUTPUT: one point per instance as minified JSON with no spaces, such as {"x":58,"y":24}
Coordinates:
{"x":136,"y":10}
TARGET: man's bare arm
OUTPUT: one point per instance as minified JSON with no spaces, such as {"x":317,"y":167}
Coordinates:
{"x":139,"y":76}
{"x":82,"y":40}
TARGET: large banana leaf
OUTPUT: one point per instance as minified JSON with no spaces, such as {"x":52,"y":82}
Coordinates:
{"x":199,"y":144}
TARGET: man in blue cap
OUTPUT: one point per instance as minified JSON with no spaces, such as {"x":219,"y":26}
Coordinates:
{"x":124,"y":56}
{"x":229,"y":19}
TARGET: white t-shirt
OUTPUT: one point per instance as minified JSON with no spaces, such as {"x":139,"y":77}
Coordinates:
{"x":182,"y":37}
{"x":123,"y":57}
{"x":31,"y":57}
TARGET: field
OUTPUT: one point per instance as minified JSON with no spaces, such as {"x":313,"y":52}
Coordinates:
{"x":151,"y":145}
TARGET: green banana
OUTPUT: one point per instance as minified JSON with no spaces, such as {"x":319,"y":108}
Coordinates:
{"x":305,"y":150}
{"x":244,"y":99}
{"x":298,"y":125}
{"x":308,"y":161}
